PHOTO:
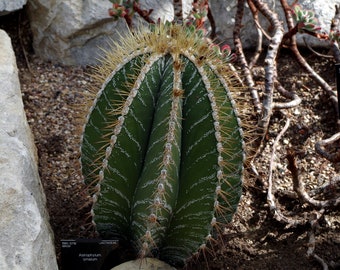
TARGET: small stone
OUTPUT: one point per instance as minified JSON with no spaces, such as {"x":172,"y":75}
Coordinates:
{"x":145,"y":264}
{"x":297,"y":111}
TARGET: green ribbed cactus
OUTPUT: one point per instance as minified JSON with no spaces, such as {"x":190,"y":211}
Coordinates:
{"x":162,"y":146}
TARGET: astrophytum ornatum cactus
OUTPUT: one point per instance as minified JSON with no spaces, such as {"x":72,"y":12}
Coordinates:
{"x":162,"y":146}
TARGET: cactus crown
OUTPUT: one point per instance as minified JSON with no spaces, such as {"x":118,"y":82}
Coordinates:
{"x":162,"y":147}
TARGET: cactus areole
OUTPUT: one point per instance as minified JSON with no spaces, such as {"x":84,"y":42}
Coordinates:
{"x":162,"y":146}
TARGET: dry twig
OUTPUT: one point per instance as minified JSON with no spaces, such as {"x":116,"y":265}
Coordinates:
{"x":270,"y":70}
{"x":242,"y":59}
{"x":22,"y":45}
{"x":212,"y":24}
{"x":335,"y":25}
{"x":311,"y":241}
{"x":315,"y":52}
{"x":259,"y":29}
{"x":178,"y":11}
{"x":319,"y":148}
{"x":278,"y":215}
{"x":295,"y":99}
{"x":299,"y":186}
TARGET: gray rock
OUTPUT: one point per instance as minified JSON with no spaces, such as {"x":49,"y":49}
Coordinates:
{"x":7,"y":6}
{"x":224,"y":15}
{"x":26,"y":240}
{"x":72,"y":32}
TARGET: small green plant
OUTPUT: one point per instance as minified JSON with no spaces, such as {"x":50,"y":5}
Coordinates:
{"x":162,"y":148}
{"x":305,"y":20}
{"x":126,"y":9}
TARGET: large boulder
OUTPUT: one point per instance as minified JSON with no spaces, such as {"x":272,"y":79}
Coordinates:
{"x":26,"y":240}
{"x":7,"y":6}
{"x":72,"y":32}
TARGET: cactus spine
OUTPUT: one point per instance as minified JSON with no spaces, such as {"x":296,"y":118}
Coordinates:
{"x":162,"y":146}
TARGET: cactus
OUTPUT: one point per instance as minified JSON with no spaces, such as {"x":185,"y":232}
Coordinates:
{"x":162,"y":146}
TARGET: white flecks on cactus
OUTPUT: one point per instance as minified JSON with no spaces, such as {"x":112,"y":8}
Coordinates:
{"x":164,"y":142}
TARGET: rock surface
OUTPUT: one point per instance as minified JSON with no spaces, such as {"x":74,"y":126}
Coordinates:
{"x":224,"y":15}
{"x":7,"y":6}
{"x":26,"y":240}
{"x":71,"y":31}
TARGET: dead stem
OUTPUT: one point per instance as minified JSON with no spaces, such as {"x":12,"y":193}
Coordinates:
{"x":260,"y":31}
{"x":270,"y":71}
{"x":278,"y":215}
{"x":242,"y":59}
{"x":299,"y":186}
{"x":311,"y":239}
{"x":319,"y":148}
{"x":295,"y":99}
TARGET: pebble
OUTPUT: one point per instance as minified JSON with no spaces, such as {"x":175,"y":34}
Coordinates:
{"x":296,"y":111}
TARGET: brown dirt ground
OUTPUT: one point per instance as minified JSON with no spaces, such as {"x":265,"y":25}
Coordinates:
{"x":254,"y":240}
